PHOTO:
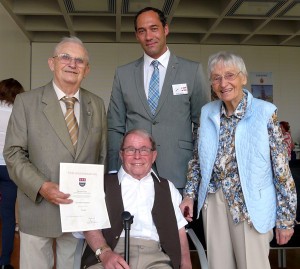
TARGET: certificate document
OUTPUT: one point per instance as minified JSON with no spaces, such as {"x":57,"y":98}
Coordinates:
{"x":84,"y":183}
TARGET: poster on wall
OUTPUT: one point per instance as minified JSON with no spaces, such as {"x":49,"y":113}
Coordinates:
{"x":262,"y":85}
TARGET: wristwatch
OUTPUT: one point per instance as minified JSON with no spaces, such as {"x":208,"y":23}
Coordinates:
{"x":101,"y":250}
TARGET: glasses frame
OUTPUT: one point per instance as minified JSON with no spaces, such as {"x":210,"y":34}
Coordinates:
{"x":80,"y":62}
{"x":143,"y":151}
{"x":218,"y":79}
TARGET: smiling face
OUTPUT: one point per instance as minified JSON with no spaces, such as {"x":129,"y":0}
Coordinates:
{"x":229,"y":91}
{"x":69,"y":75}
{"x":151,"y":34}
{"x":136,"y":165}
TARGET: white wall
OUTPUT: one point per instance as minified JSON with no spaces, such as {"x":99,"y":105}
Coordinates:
{"x":15,"y":51}
{"x":281,"y":61}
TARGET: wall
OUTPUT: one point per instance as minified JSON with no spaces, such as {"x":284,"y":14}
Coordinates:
{"x":15,"y":51}
{"x":281,"y":61}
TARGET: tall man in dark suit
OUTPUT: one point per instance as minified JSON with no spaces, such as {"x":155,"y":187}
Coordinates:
{"x":38,"y":140}
{"x":181,"y":92}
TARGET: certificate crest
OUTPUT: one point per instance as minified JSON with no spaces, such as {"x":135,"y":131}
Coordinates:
{"x":82,"y":182}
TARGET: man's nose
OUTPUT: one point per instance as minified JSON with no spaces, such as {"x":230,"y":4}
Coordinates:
{"x":137,"y":153}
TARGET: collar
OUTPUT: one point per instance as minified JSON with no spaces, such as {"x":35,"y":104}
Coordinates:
{"x":122,"y":174}
{"x":60,"y":94}
{"x":163,"y":59}
{"x":240,"y":109}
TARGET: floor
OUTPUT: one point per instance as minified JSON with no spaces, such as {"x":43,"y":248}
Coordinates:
{"x":293,"y":257}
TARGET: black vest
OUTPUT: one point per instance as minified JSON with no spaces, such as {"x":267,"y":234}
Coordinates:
{"x":162,"y":212}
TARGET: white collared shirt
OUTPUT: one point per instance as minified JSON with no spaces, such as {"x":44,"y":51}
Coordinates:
{"x":60,"y":94}
{"x":138,"y":199}
{"x":148,"y":69}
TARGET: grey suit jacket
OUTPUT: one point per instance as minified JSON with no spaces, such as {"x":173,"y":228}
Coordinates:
{"x":174,"y":120}
{"x":37,"y":141}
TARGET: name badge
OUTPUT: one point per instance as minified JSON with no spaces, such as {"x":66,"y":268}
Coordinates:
{"x":179,"y":89}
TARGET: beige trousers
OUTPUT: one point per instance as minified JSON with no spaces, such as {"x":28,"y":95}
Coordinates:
{"x":37,"y":252}
{"x":231,"y":246}
{"x":144,"y":254}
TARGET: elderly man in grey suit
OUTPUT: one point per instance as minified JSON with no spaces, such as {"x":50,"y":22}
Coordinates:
{"x":43,"y":132}
{"x":161,"y":93}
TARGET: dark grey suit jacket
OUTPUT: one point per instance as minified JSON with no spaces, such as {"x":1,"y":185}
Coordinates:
{"x":174,"y":120}
{"x":37,"y":141}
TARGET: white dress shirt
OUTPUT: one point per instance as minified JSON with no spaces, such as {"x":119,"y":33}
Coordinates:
{"x":138,"y":199}
{"x":60,"y":94}
{"x":148,"y":70}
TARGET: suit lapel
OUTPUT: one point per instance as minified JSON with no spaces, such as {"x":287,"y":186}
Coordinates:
{"x":54,"y":115}
{"x":139,"y":80}
{"x":167,"y":86}
{"x":169,"y":78}
{"x":86,"y":113}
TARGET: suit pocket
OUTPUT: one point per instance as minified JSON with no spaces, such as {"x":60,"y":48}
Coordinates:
{"x":185,"y":145}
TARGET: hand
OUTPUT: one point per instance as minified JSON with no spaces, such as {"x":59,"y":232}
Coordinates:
{"x":50,"y":191}
{"x":186,"y":208}
{"x":283,"y":235}
{"x":112,"y":260}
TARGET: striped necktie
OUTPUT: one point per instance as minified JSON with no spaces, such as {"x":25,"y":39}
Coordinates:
{"x":71,"y":119}
{"x":153,"y":94}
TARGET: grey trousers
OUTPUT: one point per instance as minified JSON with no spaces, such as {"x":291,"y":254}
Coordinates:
{"x":144,"y":254}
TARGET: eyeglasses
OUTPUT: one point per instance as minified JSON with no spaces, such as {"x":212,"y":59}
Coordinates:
{"x":65,"y":58}
{"x":130,"y":151}
{"x":228,"y":76}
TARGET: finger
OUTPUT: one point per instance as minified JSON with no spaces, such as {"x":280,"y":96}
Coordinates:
{"x":277,"y":236}
{"x":124,"y":264}
{"x":186,"y":211}
{"x":63,"y":201}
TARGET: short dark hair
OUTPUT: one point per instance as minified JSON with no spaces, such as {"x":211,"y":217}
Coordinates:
{"x":285,"y":125}
{"x":141,"y":132}
{"x":161,"y":15}
{"x":9,"y":88}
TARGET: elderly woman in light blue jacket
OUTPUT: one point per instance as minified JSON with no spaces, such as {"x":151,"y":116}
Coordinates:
{"x":241,"y":176}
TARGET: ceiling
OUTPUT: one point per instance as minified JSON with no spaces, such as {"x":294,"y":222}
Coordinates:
{"x":222,"y":22}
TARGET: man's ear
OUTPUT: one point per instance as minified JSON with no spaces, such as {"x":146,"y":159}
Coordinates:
{"x":87,"y":70}
{"x":154,"y":156}
{"x":51,"y":64}
{"x":120,"y":154}
{"x":166,"y":28}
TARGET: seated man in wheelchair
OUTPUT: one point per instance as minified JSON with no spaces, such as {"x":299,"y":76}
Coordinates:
{"x":157,"y":237}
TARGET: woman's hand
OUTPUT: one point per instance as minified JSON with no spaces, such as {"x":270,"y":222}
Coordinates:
{"x":186,"y":208}
{"x":283,"y":235}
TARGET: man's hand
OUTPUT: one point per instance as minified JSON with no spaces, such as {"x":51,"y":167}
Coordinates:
{"x":283,"y":235}
{"x":112,"y":260}
{"x":50,"y":191}
{"x":186,"y":208}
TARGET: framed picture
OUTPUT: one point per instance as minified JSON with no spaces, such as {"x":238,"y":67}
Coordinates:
{"x":262,"y":85}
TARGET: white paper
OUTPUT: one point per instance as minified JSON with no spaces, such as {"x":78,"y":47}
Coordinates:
{"x":84,"y":183}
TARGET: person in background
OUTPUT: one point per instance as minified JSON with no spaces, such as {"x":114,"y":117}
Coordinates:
{"x":9,"y":88}
{"x":240,"y":175}
{"x":287,"y":137}
{"x":161,"y":93}
{"x":58,"y":122}
{"x":157,"y":236}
